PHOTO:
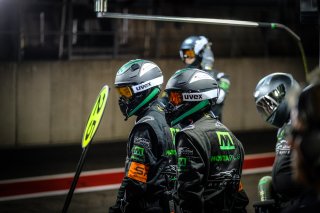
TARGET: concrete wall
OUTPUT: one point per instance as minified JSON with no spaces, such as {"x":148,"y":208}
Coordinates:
{"x":46,"y":103}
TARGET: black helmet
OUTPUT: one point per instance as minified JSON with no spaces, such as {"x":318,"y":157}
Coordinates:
{"x":190,"y":91}
{"x":138,"y":83}
{"x":270,"y":98}
{"x":197,"y":47}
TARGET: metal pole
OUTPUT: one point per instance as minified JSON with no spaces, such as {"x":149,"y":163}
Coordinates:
{"x":70,"y":34}
{"x":62,"y":27}
{"x":90,"y":130}
{"x":178,"y":19}
{"x":319,"y":30}
{"x":75,"y":179}
{"x":225,"y":22}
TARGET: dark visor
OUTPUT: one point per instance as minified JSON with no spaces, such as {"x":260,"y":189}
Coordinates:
{"x":267,"y":104}
{"x":188,"y":53}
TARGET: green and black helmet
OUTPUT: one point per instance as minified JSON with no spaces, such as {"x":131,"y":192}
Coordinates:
{"x":138,"y":83}
{"x":270,"y":97}
{"x":190,"y":91}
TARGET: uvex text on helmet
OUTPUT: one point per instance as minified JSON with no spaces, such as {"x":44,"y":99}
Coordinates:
{"x":190,"y":91}
{"x":138,"y":82}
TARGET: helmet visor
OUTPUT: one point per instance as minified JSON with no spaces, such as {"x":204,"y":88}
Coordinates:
{"x":269,"y":103}
{"x":188,"y":53}
{"x":125,"y":91}
{"x":175,"y":98}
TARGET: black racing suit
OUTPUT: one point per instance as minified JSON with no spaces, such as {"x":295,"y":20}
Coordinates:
{"x":210,"y":162}
{"x":284,"y":187}
{"x":150,"y":165}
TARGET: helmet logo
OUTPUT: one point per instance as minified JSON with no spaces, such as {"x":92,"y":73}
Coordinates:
{"x":146,"y":68}
{"x":143,"y":86}
{"x":200,"y":96}
{"x":200,"y":76}
{"x":148,"y":84}
{"x":192,"y":97}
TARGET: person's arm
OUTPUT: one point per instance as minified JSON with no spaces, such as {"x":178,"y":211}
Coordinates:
{"x":282,"y":172}
{"x":224,"y":85}
{"x":116,"y":208}
{"x":191,"y":171}
{"x":140,"y":157}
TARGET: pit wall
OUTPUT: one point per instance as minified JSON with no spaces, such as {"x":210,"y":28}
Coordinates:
{"x":45,"y":103}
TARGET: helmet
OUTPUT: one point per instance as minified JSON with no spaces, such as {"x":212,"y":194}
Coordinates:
{"x":190,"y":91}
{"x":199,"y":48}
{"x":138,"y":83}
{"x":270,"y":98}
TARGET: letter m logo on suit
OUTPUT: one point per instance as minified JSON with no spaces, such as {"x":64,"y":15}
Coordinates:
{"x":225,"y":141}
{"x":182,"y":164}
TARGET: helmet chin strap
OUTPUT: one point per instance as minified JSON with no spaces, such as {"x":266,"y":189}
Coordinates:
{"x":195,"y":64}
{"x":154,"y":92}
{"x":194,"y":109}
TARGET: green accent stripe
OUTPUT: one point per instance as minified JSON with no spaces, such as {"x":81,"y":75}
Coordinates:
{"x":182,"y":71}
{"x":196,"y":108}
{"x":154,"y":92}
{"x":127,"y":65}
{"x":273,"y":26}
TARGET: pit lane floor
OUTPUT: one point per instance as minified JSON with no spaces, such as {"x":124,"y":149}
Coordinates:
{"x":30,"y":162}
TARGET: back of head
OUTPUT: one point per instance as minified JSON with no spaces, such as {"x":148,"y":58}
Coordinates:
{"x":308,"y":113}
{"x":138,"y":83}
{"x":195,"y":52}
{"x":191,"y":92}
{"x":270,"y":97}
{"x":309,"y":106}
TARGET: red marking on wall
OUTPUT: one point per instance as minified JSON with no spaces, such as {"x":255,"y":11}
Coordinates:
{"x":28,"y":186}
{"x":56,"y":184}
{"x":258,"y":160}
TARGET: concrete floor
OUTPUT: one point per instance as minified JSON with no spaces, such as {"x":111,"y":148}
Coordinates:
{"x":98,"y":202}
{"x":38,"y":161}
